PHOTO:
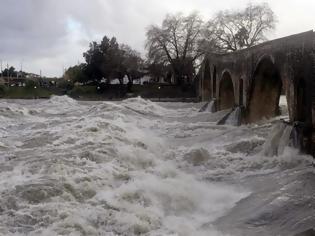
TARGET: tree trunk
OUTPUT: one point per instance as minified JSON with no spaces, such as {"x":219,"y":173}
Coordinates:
{"x":121,"y":81}
{"x":130,"y":83}
{"x":177,"y":74}
{"x":121,"y":87}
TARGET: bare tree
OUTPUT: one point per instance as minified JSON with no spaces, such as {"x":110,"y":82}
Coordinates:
{"x":234,"y":30}
{"x":176,"y":43}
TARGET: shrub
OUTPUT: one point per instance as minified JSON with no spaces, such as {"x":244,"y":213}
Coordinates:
{"x":3,"y":89}
{"x":30,"y":84}
{"x":65,"y":84}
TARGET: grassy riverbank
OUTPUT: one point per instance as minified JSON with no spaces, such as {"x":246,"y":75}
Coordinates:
{"x":24,"y":93}
{"x":112,"y":92}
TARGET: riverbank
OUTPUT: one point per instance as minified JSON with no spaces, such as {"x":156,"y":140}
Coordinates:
{"x":25,"y":93}
{"x":155,"y":92}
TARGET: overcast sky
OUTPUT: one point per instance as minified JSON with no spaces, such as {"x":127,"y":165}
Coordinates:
{"x":49,"y":35}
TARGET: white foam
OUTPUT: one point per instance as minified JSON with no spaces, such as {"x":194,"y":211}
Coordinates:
{"x":130,"y":167}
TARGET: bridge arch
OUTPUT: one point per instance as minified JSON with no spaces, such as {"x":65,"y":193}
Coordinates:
{"x":265,"y":91}
{"x":262,"y":58}
{"x":226,"y":91}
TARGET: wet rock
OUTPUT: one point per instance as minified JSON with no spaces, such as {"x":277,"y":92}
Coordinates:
{"x":247,"y":147}
{"x":262,"y":219}
{"x":204,"y":107}
{"x":79,"y":194}
{"x":25,"y":220}
{"x":310,"y":232}
{"x":39,"y":141}
{"x":141,"y":145}
{"x":37,"y":193}
{"x":124,"y":176}
{"x":92,"y":129}
{"x":11,"y":203}
{"x":197,"y":157}
{"x":139,"y":229}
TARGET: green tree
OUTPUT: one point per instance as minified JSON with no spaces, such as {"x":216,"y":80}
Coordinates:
{"x":109,"y":60}
{"x":9,"y":72}
{"x":77,"y":73}
{"x":132,"y":63}
{"x":103,"y":59}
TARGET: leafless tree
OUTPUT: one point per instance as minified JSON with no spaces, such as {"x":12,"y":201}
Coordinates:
{"x":176,"y":42}
{"x":234,"y":30}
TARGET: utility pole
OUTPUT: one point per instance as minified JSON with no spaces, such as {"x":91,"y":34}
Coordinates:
{"x":21,"y":69}
{"x":8,"y":74}
{"x":63,"y":71}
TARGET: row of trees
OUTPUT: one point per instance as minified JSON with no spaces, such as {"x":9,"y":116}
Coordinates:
{"x":176,"y":48}
{"x":9,"y":72}
{"x":108,"y":60}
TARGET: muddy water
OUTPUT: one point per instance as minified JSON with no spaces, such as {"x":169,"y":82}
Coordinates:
{"x":142,"y":168}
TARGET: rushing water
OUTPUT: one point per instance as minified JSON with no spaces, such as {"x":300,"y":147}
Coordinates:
{"x":208,"y":107}
{"x":234,"y":118}
{"x":141,"y":168}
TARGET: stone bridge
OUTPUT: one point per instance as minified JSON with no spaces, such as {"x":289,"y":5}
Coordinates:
{"x":255,"y":78}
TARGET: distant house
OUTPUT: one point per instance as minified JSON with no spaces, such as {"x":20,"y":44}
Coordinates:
{"x":31,"y":75}
{"x":13,"y":81}
{"x":18,"y":82}
{"x":20,"y":79}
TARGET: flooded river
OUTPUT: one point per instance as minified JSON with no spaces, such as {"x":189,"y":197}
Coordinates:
{"x":141,"y":168}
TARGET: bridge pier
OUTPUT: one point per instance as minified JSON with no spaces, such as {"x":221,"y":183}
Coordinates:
{"x":234,"y":117}
{"x":255,"y":78}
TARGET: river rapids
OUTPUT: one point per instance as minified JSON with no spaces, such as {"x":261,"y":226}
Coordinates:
{"x":141,"y":168}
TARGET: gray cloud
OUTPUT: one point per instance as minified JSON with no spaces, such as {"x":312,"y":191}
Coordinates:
{"x":51,"y":34}
{"x":26,"y":28}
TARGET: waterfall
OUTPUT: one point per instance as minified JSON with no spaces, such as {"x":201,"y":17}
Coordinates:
{"x":278,"y":139}
{"x":234,"y":117}
{"x":204,"y":107}
{"x":285,"y":139}
{"x":208,"y":107}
